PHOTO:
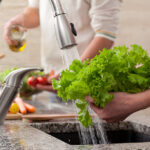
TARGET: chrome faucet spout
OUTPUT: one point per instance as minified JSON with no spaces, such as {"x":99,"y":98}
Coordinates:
{"x":12,"y":84}
{"x":65,"y":31}
{"x":15,"y":77}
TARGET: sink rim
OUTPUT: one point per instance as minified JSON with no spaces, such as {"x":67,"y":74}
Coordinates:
{"x":68,"y":126}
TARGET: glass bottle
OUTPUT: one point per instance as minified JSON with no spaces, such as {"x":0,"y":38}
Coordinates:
{"x":18,"y":34}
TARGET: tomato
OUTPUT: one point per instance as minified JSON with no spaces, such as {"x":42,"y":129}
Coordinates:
{"x":42,"y":80}
{"x":32,"y":81}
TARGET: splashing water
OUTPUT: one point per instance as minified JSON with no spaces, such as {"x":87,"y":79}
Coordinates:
{"x":95,"y":134}
{"x":100,"y":135}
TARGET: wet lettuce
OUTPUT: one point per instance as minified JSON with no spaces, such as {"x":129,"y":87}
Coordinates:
{"x":120,"y":69}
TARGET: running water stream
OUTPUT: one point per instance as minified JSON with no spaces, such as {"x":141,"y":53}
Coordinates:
{"x":68,"y":55}
{"x":95,"y":134}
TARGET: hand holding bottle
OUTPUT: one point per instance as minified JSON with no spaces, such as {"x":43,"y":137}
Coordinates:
{"x":15,"y":35}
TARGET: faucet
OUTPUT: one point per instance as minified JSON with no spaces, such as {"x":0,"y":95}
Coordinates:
{"x":11,"y":87}
{"x":65,"y":31}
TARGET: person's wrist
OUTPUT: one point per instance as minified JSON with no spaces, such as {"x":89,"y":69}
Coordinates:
{"x":142,"y":100}
{"x":145,"y":97}
{"x":17,"y":20}
{"x":132,"y":103}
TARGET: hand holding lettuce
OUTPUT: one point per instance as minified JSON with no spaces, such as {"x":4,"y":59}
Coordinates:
{"x":120,"y":69}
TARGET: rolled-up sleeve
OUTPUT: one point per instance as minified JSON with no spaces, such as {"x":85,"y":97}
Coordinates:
{"x":33,"y":3}
{"x":105,"y":17}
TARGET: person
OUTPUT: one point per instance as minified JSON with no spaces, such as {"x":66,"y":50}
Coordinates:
{"x":96,"y":22}
{"x":122,"y":105}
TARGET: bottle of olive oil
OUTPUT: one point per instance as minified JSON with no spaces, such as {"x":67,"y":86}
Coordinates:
{"x":18,"y":34}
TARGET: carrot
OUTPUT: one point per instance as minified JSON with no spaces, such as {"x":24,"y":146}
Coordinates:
{"x":29,"y":108}
{"x":20,"y":103}
{"x":51,"y":73}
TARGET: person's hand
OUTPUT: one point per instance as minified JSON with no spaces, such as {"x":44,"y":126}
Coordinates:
{"x":6,"y":32}
{"x":48,"y":87}
{"x":119,"y":108}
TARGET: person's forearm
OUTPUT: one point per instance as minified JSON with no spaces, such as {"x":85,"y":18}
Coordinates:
{"x":28,"y":19}
{"x":97,"y":44}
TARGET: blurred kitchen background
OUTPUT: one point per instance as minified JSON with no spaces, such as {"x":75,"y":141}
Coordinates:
{"x":134,"y":28}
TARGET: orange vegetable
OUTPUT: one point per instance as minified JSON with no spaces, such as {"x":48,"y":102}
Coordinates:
{"x":29,"y":108}
{"x":51,"y":73}
{"x":20,"y":103}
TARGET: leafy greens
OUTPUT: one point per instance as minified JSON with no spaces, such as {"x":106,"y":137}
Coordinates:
{"x":120,"y":69}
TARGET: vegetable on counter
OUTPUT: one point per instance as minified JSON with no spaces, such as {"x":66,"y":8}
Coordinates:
{"x":26,"y":91}
{"x":14,"y":108}
{"x":120,"y":69}
{"x":30,"y":108}
{"x":30,"y":80}
{"x":19,"y":106}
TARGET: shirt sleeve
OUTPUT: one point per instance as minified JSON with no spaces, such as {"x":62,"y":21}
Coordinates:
{"x":105,"y":17}
{"x":33,"y":3}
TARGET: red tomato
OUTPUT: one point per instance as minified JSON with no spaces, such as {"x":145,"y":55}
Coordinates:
{"x":42,"y":80}
{"x":32,"y":81}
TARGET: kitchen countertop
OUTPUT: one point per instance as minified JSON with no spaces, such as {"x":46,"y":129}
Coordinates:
{"x":20,"y":135}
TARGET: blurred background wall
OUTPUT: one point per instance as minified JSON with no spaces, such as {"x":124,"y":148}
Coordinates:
{"x":135,"y":23}
{"x":134,"y":28}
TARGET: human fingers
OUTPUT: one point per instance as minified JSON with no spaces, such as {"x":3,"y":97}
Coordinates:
{"x":111,"y":119}
{"x":8,"y":40}
{"x":53,"y":77}
{"x":45,"y":87}
{"x":7,"y":34}
{"x":102,"y":114}
{"x":89,"y":99}
{"x":96,"y":109}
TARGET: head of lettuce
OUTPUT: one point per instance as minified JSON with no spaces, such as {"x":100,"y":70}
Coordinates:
{"x":120,"y":69}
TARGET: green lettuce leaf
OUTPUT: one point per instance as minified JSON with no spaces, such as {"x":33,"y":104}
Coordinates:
{"x":120,"y":69}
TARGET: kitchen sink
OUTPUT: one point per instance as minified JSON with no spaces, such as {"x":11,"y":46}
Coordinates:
{"x":122,"y":132}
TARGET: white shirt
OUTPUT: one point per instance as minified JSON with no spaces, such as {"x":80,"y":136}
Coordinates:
{"x":90,"y":17}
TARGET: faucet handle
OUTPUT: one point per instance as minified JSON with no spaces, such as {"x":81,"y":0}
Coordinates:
{"x":73,"y":29}
{"x":15,"y":77}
